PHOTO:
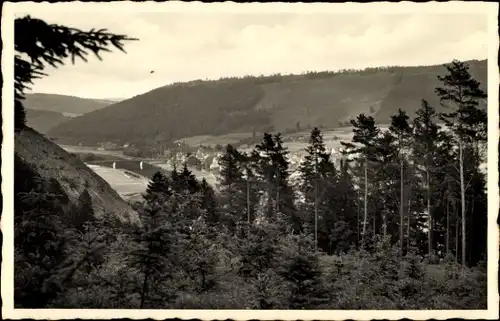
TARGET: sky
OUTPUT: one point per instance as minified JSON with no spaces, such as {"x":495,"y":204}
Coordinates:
{"x":182,"y":46}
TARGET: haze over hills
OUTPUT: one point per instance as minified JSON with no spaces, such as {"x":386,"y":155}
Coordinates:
{"x":255,"y":104}
{"x":45,"y":111}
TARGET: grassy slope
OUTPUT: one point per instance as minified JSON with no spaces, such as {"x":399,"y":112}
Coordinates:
{"x":254,"y":103}
{"x":52,"y":162}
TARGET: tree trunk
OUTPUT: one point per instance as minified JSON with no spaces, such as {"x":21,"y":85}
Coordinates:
{"x":248,"y":197}
{"x":374,"y":224}
{"x":144,"y":289}
{"x":365,"y":219}
{"x":384,"y":221}
{"x":315,"y":215}
{"x":409,"y":216}
{"x":429,"y":233}
{"x":462,"y":192}
{"x":457,"y":231}
{"x":401,"y":209}
{"x":316,"y":202}
{"x":357,"y":220}
{"x":447,"y":226}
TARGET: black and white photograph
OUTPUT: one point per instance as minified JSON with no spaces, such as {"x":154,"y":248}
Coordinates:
{"x":250,"y":161}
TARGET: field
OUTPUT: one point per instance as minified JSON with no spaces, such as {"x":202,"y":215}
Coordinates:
{"x":125,"y":185}
{"x":127,"y":178}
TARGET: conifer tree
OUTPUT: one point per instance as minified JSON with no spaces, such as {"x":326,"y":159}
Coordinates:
{"x":347,"y":205}
{"x":209,"y":203}
{"x":258,"y":250}
{"x":185,"y":181}
{"x":158,"y":188}
{"x":230,"y":169}
{"x":318,"y":182}
{"x":425,"y":136}
{"x":154,"y":251}
{"x":363,"y":144}
{"x":232,"y":184}
{"x":284,"y":192}
{"x":385,"y":179}
{"x":273,"y":168}
{"x":461,"y":93}
{"x":265,"y":169}
{"x":38,"y":44}
{"x":302,"y":273}
{"x":253,"y":185}
{"x":402,"y":130}
{"x":447,"y":189}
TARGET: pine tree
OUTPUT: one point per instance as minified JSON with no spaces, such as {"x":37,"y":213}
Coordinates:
{"x":302,"y":273}
{"x":284,"y":193}
{"x":154,"y":252}
{"x":252,"y":187}
{"x":273,"y":166}
{"x":318,"y":183}
{"x":232,"y":185}
{"x":385,"y":179}
{"x":258,"y":250}
{"x":365,"y":133}
{"x":425,"y":136}
{"x":347,"y":205}
{"x":230,"y":169}
{"x":462,"y":94}
{"x":209,"y":203}
{"x":44,"y":44}
{"x":158,"y":188}
{"x":446,"y":188}
{"x":402,"y":130}
{"x":185,"y":180}
{"x":264,"y":163}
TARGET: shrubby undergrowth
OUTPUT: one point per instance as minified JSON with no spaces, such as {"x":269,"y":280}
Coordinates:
{"x":249,"y":272}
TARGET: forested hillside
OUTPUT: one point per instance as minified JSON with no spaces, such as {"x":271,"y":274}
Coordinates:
{"x":272,"y":103}
{"x":45,"y":111}
{"x":64,"y":103}
{"x":44,"y":120}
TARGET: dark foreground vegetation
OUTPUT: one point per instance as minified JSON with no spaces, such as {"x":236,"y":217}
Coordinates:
{"x":400,"y":224}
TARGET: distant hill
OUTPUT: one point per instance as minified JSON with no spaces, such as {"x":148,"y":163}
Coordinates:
{"x":35,"y":155}
{"x":266,"y":103}
{"x":44,"y":120}
{"x":45,"y":111}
